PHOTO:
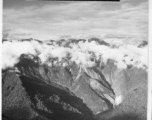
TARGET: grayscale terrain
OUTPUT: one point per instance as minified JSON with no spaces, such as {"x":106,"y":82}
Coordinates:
{"x":69,"y":89}
{"x":74,"y":60}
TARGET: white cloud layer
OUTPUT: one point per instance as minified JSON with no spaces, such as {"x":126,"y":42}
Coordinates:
{"x":83,"y":54}
{"x":77,"y":18}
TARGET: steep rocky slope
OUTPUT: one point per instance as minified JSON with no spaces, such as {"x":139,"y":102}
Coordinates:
{"x":133,"y":88}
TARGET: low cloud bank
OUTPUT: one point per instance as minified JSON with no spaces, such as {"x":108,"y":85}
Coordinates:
{"x":85,"y":54}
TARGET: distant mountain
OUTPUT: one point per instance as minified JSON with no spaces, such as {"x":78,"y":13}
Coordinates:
{"x":3,"y":40}
{"x":143,"y":44}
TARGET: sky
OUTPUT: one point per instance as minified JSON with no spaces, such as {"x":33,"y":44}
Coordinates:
{"x":52,"y":19}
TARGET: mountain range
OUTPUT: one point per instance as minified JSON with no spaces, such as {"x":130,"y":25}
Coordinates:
{"x":75,"y":79}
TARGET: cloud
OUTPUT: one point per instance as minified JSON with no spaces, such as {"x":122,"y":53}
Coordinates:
{"x":23,"y":33}
{"x":11,"y":52}
{"x":126,"y":6}
{"x":84,"y":18}
{"x":81,"y":54}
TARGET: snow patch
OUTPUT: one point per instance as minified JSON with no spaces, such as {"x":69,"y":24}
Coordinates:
{"x":118,"y":99}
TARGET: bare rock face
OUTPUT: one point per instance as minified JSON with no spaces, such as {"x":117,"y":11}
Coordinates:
{"x":41,"y":92}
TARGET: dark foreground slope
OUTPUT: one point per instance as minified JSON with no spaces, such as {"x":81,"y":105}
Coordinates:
{"x":27,"y":98}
